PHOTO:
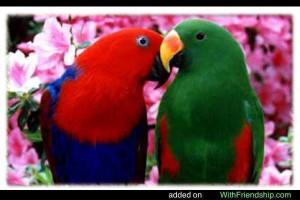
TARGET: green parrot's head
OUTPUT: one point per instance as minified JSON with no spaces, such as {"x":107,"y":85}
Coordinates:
{"x":199,"y":43}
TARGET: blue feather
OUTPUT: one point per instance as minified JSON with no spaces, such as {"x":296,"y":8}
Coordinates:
{"x":82,"y":162}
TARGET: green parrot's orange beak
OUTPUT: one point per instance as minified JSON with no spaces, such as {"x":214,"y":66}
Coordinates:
{"x":170,"y":46}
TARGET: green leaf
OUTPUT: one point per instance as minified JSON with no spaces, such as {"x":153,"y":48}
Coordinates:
{"x":84,"y":45}
{"x":33,"y":121}
{"x":33,"y":105}
{"x":43,"y":160}
{"x":22,"y":119}
{"x":49,"y":175}
{"x":44,"y":177}
{"x":285,"y":164}
{"x":35,"y":28}
{"x":11,"y":95}
{"x":151,"y":161}
{"x":290,"y":135}
{"x":41,"y":177}
{"x":19,"y":94}
{"x":33,"y":90}
{"x":33,"y":137}
{"x":284,"y":139}
{"x":41,"y":86}
{"x":26,"y":131}
{"x":13,"y":109}
{"x":31,"y":23}
{"x":29,"y":169}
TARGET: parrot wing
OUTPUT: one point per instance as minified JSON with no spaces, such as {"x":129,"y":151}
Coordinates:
{"x":249,"y":146}
{"x":158,"y":140}
{"x":45,"y":109}
{"x":255,"y":118}
{"x":158,"y":147}
{"x":48,"y":102}
{"x":139,"y":175}
{"x":171,"y":166}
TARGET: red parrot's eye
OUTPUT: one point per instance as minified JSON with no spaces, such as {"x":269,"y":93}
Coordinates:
{"x":142,"y":41}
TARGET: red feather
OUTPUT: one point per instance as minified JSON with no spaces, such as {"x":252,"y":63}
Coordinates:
{"x":114,"y":70}
{"x":242,"y":168}
{"x":169,"y":163}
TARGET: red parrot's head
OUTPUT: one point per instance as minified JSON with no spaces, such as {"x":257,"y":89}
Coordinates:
{"x":130,"y":54}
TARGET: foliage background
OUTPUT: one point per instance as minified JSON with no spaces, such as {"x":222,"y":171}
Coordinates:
{"x":40,"y":48}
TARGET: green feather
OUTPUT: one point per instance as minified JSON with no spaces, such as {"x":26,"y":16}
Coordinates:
{"x":205,"y":107}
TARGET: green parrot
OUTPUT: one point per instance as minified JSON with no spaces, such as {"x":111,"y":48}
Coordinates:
{"x":210,"y":126}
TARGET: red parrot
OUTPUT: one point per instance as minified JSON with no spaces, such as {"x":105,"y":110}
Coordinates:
{"x":93,"y":118}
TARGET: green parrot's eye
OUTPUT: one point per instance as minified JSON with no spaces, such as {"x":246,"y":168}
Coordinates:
{"x":200,"y":36}
{"x":142,"y":41}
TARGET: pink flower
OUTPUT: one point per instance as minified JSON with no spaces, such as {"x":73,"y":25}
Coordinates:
{"x":145,"y":21}
{"x":109,"y":24}
{"x":151,"y":142}
{"x":47,"y":76}
{"x":153,"y":176}
{"x":272,"y":176}
{"x":152,"y":99}
{"x":265,"y":93}
{"x":84,"y":31}
{"x":281,"y":59}
{"x":275,"y":27}
{"x":256,"y":60}
{"x":26,"y":47}
{"x":21,"y":70}
{"x":275,"y":152}
{"x":52,"y":45}
{"x":42,"y":18}
{"x":16,"y":177}
{"x":275,"y":97}
{"x":239,"y":34}
{"x":17,"y":143}
{"x":13,"y":121}
{"x":31,"y":157}
{"x":167,"y":22}
{"x":243,"y":21}
{"x":20,"y":154}
{"x":269,"y":128}
{"x":69,"y":57}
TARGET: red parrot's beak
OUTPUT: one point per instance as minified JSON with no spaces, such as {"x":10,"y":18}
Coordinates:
{"x":170,"y":47}
{"x":158,"y":72}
